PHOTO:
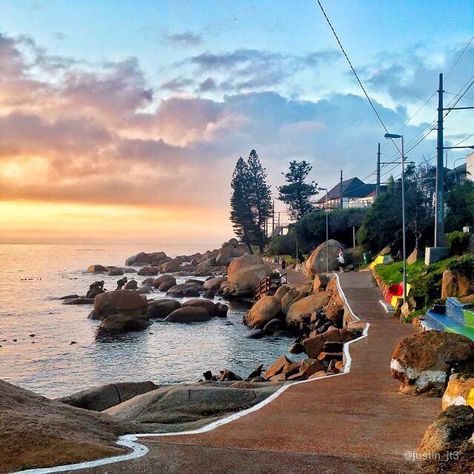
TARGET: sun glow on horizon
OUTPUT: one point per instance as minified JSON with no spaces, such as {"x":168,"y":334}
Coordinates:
{"x":41,"y":222}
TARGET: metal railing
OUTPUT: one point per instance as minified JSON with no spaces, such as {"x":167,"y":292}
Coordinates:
{"x":269,"y":285}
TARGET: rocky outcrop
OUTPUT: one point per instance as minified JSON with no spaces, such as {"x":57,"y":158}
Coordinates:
{"x":306,"y":306}
{"x":214,"y":309}
{"x":106,"y":396}
{"x":451,"y":431}
{"x":214,"y":284}
{"x":184,"y":290}
{"x":455,"y":284}
{"x":149,"y":270}
{"x":263,"y":311}
{"x":188,"y":314}
{"x":97,"y":269}
{"x":316,"y":262}
{"x":244,"y":273}
{"x":121,"y":310}
{"x":284,"y":369}
{"x":160,"y":309}
{"x":187,"y":403}
{"x":423,"y":362}
{"x":37,"y":432}
{"x":143,"y":258}
{"x":170,"y":267}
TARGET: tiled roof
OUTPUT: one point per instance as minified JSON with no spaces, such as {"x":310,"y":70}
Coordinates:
{"x":351,"y":188}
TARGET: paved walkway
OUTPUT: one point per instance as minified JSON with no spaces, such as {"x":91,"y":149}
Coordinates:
{"x":353,"y":423}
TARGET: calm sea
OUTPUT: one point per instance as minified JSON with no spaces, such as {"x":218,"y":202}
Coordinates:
{"x":47,"y":363}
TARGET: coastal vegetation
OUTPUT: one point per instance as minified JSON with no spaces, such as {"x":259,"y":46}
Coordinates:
{"x":297,"y":193}
{"x":250,"y":203}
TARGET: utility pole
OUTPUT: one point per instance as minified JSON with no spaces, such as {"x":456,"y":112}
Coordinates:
{"x":273,"y":219}
{"x":340,"y":189}
{"x":439,"y":213}
{"x":377,"y":186}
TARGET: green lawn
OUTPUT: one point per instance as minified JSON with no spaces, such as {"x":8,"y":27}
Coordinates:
{"x":425,"y":280}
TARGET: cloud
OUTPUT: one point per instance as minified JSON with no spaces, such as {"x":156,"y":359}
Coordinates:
{"x":244,"y":70}
{"x":95,"y":134}
{"x":184,"y":39}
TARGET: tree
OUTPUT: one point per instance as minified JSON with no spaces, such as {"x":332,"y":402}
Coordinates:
{"x":241,"y":214}
{"x":311,"y":229}
{"x":460,"y":204}
{"x":296,"y":194}
{"x":251,"y":203}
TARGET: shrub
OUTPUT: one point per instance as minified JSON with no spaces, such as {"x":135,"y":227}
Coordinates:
{"x":457,"y":242}
{"x":464,"y":265}
{"x":284,"y":244}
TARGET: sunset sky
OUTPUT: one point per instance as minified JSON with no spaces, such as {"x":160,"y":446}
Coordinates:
{"x":122,"y":120}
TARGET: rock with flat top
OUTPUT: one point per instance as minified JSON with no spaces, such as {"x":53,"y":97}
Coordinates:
{"x":422,"y":362}
{"x":106,"y":396}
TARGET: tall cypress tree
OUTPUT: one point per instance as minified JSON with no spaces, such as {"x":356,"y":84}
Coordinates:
{"x":241,"y":214}
{"x":260,"y":197}
{"x":297,"y":194}
{"x":250,"y":202}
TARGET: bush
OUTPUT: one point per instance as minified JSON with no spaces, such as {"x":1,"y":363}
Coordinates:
{"x":284,"y":244}
{"x":464,"y":265}
{"x":458,"y":242}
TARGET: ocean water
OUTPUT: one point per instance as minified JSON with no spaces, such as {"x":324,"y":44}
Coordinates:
{"x":31,"y":276}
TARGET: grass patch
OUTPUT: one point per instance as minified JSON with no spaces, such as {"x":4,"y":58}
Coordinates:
{"x":425,"y":280}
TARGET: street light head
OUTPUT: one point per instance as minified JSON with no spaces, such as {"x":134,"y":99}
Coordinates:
{"x":392,"y":135}
{"x":322,"y":189}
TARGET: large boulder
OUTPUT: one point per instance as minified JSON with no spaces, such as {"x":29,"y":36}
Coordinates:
{"x":214,"y":284}
{"x":143,"y":258}
{"x":214,"y":309}
{"x":451,"y":432}
{"x":167,"y":284}
{"x":123,"y":322}
{"x":106,"y":396}
{"x":184,"y":290}
{"x":119,"y":301}
{"x":186,"y":403}
{"x":455,"y":284}
{"x":244,"y":273}
{"x":316,"y":262}
{"x":423,"y":362}
{"x":305,"y":306}
{"x":160,"y":309}
{"x":224,"y":257}
{"x":263,"y":311}
{"x":149,"y":270}
{"x":188,"y":314}
{"x":39,"y":432}
{"x":97,"y":269}
{"x":460,"y":390}
{"x":170,"y":267}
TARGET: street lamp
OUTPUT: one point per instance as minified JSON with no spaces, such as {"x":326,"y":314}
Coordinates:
{"x":391,"y":136}
{"x":327,"y":228}
{"x":454,"y":168}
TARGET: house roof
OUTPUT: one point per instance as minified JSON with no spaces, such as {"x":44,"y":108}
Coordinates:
{"x":351,"y":188}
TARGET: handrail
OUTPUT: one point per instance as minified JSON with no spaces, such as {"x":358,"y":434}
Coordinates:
{"x":264,"y":286}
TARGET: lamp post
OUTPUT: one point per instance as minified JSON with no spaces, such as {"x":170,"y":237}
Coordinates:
{"x":454,"y":168}
{"x":327,"y":228}
{"x":402,"y":158}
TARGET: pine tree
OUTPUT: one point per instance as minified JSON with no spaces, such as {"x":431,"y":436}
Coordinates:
{"x":241,"y":214}
{"x":251,"y":203}
{"x":297,"y":194}
{"x":260,"y":198}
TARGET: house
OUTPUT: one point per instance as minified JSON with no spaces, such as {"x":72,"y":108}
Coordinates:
{"x":355,"y":193}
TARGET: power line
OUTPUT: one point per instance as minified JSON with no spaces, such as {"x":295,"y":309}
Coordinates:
{"x":354,"y":71}
{"x":460,"y":56}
